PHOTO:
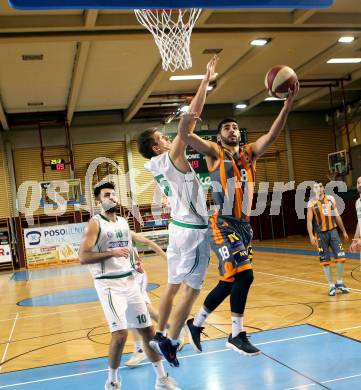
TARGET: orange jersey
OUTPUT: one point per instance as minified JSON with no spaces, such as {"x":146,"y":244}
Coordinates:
{"x":322,"y":210}
{"x":233,"y":180}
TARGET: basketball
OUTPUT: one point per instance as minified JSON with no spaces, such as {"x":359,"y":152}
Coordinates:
{"x":279,"y":79}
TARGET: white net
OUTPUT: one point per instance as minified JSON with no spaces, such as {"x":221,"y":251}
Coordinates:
{"x":172,"y":31}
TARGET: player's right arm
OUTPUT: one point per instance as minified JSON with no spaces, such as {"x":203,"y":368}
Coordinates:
{"x":356,"y":241}
{"x":86,"y":255}
{"x":313,"y":238}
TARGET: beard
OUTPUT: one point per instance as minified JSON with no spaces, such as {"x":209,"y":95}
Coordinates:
{"x":110,"y":208}
{"x":230,"y":142}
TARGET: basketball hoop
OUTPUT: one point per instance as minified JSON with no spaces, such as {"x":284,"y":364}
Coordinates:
{"x":171,"y":29}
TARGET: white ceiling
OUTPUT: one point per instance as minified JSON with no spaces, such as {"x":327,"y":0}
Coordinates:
{"x":104,"y":60}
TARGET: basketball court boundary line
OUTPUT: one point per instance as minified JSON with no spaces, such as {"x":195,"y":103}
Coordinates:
{"x":9,"y":341}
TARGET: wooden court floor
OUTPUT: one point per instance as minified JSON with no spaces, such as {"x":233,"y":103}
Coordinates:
{"x":289,"y":289}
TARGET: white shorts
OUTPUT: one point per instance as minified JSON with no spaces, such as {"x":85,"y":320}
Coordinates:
{"x":142,"y":280}
{"x":123,"y":303}
{"x":188,"y":256}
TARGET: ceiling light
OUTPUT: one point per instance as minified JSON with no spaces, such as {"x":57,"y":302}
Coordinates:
{"x":346,"y":39}
{"x":355,"y":140}
{"x":241,"y":105}
{"x":352,"y":60}
{"x":189,"y":77}
{"x":273,"y":99}
{"x":259,"y":42}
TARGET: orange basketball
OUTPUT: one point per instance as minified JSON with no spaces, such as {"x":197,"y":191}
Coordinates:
{"x":279,"y":79}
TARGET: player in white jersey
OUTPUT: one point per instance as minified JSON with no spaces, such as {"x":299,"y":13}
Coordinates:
{"x":106,"y":247}
{"x":356,"y":242}
{"x":188,"y":251}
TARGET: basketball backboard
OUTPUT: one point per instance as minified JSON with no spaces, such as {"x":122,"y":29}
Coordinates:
{"x":165,"y":4}
{"x":338,"y":162}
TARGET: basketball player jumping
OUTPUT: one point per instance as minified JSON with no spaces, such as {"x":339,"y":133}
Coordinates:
{"x":232,"y":170}
{"x":322,"y":221}
{"x":106,"y":248}
{"x":356,"y":242}
{"x":188,"y":250}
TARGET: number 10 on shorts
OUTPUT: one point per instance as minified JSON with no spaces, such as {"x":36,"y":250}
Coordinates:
{"x":142,"y":319}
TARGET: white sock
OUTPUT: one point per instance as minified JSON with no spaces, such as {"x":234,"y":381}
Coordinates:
{"x":161,"y":332}
{"x":159,"y":369}
{"x":200,"y":318}
{"x":112,"y":374}
{"x":237,"y":325}
{"x":174,"y":342}
{"x":138,"y":346}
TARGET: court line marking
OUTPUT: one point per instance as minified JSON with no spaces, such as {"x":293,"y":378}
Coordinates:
{"x":328,"y":381}
{"x":9,"y":341}
{"x":148,"y":363}
{"x":302,"y":281}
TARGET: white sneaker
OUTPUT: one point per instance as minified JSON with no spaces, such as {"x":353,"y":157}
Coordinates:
{"x":112,"y":385}
{"x":166,"y":383}
{"x":136,"y":358}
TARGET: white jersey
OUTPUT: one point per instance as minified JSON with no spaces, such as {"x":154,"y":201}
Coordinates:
{"x":184,"y":191}
{"x":358,"y":211}
{"x":112,"y":235}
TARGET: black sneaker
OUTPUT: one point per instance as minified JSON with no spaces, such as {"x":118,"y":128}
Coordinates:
{"x":169,"y":351}
{"x":156,"y":340}
{"x":242,"y":345}
{"x":194,"y":334}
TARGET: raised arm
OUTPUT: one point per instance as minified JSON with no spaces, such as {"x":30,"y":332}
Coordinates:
{"x":86,"y":254}
{"x":196,"y":107}
{"x":137,"y":237}
{"x":199,"y":99}
{"x":263,"y":143}
{"x":188,"y":120}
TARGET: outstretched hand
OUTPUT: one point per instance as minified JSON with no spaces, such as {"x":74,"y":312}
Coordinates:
{"x":211,"y":74}
{"x":292,"y":94}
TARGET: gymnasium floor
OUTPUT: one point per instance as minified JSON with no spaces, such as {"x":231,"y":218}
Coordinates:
{"x":53,"y":334}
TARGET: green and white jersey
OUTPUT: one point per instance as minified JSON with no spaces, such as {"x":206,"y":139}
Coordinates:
{"x":358,"y":211}
{"x":112,"y":235}
{"x":184,"y":191}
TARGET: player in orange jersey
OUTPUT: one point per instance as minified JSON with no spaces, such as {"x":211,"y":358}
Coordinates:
{"x":322,"y":221}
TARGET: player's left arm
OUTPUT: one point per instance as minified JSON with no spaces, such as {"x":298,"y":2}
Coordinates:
{"x":339,"y":219}
{"x":137,"y":237}
{"x":356,"y":241}
{"x":263,"y":143}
